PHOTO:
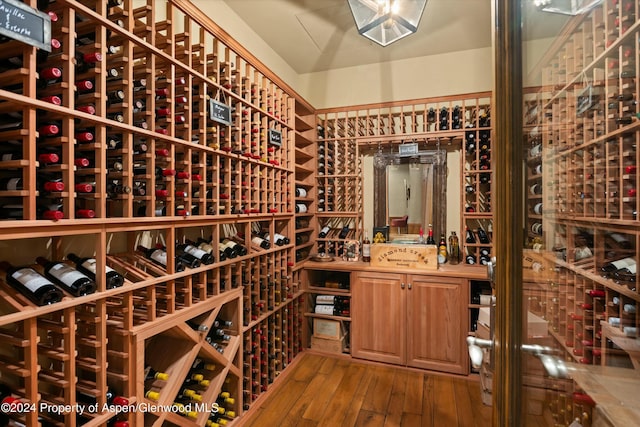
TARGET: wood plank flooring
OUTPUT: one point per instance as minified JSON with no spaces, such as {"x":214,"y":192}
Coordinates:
{"x":326,"y":391}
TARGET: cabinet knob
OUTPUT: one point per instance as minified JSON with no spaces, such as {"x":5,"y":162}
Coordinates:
{"x":409,"y":285}
{"x":402,"y":285}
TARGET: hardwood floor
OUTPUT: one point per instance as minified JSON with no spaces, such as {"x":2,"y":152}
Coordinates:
{"x":326,"y":391}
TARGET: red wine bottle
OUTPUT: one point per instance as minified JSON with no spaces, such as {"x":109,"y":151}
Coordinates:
{"x":32,"y":284}
{"x":88,"y":267}
{"x":67,"y":277}
{"x":86,"y":61}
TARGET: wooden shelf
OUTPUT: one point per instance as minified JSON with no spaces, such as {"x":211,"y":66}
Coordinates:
{"x":223,"y":174}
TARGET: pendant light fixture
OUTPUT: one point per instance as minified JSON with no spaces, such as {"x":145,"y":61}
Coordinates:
{"x":387,"y":21}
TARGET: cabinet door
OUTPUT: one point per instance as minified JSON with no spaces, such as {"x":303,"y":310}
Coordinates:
{"x":378,"y":310}
{"x":436,"y":324}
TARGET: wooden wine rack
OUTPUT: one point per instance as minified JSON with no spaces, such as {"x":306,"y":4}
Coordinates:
{"x":588,"y":130}
{"x":338,"y":172}
{"x":149,"y":108}
{"x":476,"y":185}
{"x":434,"y":122}
{"x":305,"y":158}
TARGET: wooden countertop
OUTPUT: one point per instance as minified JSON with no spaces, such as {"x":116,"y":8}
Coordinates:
{"x":447,"y":270}
{"x":615,"y":391}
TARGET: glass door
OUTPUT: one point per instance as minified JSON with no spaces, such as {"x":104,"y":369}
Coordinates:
{"x":567,"y":346}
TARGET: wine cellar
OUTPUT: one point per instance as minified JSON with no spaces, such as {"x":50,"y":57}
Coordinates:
{"x":179,"y":226}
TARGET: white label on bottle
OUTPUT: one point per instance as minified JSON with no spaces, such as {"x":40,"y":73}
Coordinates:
{"x":631,"y":268}
{"x":198,"y":253}
{"x":324,"y":309}
{"x":366,"y":250}
{"x":302,"y":208}
{"x":207,"y":247}
{"x":301,"y":192}
{"x":91,"y":265}
{"x":13,"y":184}
{"x":277,"y":237}
{"x":619,"y":238}
{"x":622,"y":263}
{"x":325,"y":299}
{"x":160,"y":256}
{"x":257,"y":240}
{"x":325,"y":230}
{"x":66,"y":274}
{"x":31,"y":279}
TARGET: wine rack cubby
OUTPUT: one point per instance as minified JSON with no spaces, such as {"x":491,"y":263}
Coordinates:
{"x":111,"y":151}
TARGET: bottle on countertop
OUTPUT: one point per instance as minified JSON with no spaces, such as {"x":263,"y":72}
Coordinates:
{"x":430,"y":239}
{"x":366,"y":248}
{"x":454,"y":249}
{"x":442,"y":250}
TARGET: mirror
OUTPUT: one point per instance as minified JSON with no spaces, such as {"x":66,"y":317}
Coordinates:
{"x":411,"y":187}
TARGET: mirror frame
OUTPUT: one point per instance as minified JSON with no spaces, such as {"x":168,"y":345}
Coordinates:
{"x":438,"y":158}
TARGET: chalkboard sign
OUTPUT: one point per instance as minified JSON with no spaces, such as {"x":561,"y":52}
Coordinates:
{"x":26,"y":24}
{"x":275,"y":137}
{"x":219,"y":112}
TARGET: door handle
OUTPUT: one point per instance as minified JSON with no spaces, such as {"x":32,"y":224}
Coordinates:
{"x":491,"y":271}
{"x":553,"y":366}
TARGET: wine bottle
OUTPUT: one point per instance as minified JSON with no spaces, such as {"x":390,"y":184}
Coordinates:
{"x":190,"y":247}
{"x":67,"y":277}
{"x":88,"y":267}
{"x":344,"y":232}
{"x":228,"y":247}
{"x":324,"y":231}
{"x":537,"y":209}
{"x":626,"y":274}
{"x":32,"y":284}
{"x":301,"y":192}
{"x":11,"y":184}
{"x":331,"y":309}
{"x":366,"y":248}
{"x":152,"y":374}
{"x":260,"y":242}
{"x":201,"y":364}
{"x":158,"y":256}
{"x":430,"y":239}
{"x":609,"y":268}
{"x":301,"y":208}
{"x":469,"y":237}
{"x":454,"y":249}
{"x":301,"y":239}
{"x":482,"y":236}
{"x":470,"y":259}
{"x":442,"y":250}
{"x":86,"y":61}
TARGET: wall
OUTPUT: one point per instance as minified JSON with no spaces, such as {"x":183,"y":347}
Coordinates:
{"x":437,"y":75}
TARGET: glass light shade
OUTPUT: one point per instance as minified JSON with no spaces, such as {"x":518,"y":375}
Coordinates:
{"x":387,"y":21}
{"x":566,"y":7}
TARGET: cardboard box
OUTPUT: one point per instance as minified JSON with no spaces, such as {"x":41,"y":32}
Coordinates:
{"x":389,"y":255}
{"x":326,"y":328}
{"x":327,"y":344}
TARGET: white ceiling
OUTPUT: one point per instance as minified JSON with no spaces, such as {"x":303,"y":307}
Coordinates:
{"x":318,"y":35}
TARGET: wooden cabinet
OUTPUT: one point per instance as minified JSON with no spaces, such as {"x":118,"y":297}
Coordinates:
{"x":410,"y":319}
